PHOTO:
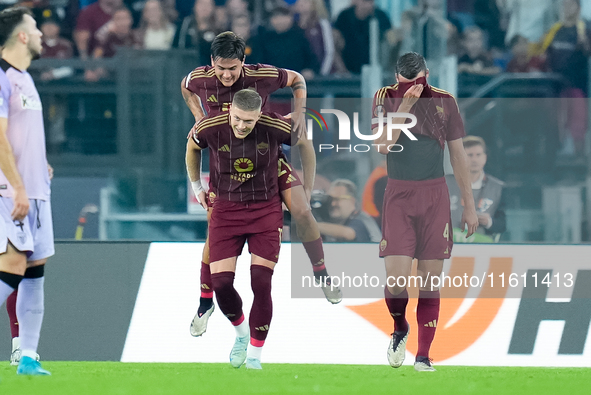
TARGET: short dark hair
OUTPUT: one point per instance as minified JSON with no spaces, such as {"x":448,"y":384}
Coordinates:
{"x":247,"y":100}
{"x":410,"y":65}
{"x":228,"y":45}
{"x":473,"y":141}
{"x":10,"y":18}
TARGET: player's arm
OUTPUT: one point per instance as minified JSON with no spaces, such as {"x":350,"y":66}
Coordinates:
{"x":459,"y":162}
{"x":308,"y":156}
{"x":193,"y":162}
{"x":192,"y":100}
{"x":9,"y":169}
{"x":297,"y":83}
{"x":411,"y":96}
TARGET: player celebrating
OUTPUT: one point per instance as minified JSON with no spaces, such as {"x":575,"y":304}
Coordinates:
{"x":244,"y":147}
{"x":214,"y":87}
{"x":26,"y":231}
{"x":416,"y":215}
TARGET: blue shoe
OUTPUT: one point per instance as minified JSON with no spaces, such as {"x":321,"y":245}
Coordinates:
{"x":28,"y":366}
{"x":238,"y":353}
{"x":253,"y":363}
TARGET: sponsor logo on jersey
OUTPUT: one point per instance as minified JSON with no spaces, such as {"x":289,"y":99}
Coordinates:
{"x":243,"y":165}
{"x":226,"y":106}
{"x":212,"y":99}
{"x":383,"y":244}
{"x":225,"y":148}
{"x":290,"y":179}
{"x":28,"y":103}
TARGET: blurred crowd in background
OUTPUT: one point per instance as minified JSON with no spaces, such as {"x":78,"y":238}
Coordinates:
{"x":129,"y":115}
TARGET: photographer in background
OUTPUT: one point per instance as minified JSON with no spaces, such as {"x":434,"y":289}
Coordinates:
{"x":346,"y":222}
{"x":487,"y":192}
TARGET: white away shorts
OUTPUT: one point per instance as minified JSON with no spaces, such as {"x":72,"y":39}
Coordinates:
{"x":34,"y":235}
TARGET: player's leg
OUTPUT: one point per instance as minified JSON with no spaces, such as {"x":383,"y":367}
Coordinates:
{"x":261,"y":313}
{"x":398,"y":269}
{"x":307,"y":229}
{"x":427,"y":311}
{"x":206,"y":306}
{"x":30,"y":302}
{"x":15,"y":355}
{"x":435,"y":245}
{"x":230,"y":304}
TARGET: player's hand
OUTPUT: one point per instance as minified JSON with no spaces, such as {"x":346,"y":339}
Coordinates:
{"x":298,"y":123}
{"x":470,"y":219}
{"x":192,"y":131}
{"x":411,"y":96}
{"x":20,"y":204}
{"x":50,"y":171}
{"x":484,"y":219}
{"x":201,"y":199}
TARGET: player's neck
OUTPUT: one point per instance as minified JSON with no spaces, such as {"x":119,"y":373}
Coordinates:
{"x":18,"y":57}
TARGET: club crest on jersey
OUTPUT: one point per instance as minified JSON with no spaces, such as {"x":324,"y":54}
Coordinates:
{"x":440,"y":112}
{"x":263,"y":148}
{"x":28,"y":103}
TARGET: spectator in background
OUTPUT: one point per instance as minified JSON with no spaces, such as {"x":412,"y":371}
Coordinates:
{"x":55,"y":105}
{"x":530,"y":18}
{"x":523,"y":60}
{"x":169,"y":9}
{"x":155,"y":30}
{"x":222,"y":19}
{"x":286,"y":46}
{"x":198,"y":30}
{"x":492,"y":20}
{"x":313,"y":19}
{"x":476,"y":59}
{"x":352,"y":25}
{"x":93,"y":25}
{"x":567,"y":49}
{"x":236,"y":8}
{"x":119,"y":36}
{"x":487,"y":192}
{"x":242,"y":27}
{"x":426,"y":31}
{"x":347,"y":222}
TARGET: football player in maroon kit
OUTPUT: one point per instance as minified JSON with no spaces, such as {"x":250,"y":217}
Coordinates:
{"x":210,"y":90}
{"x":416,"y":221}
{"x":244,"y":147}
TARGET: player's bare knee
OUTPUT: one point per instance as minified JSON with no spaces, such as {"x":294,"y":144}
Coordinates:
{"x":302,"y":214}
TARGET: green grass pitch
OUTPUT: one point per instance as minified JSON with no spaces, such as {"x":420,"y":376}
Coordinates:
{"x":89,"y":378}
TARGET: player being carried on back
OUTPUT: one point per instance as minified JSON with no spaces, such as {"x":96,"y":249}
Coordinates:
{"x":212,"y":88}
{"x":244,"y":150}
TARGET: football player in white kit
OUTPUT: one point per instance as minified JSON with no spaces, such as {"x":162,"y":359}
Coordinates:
{"x":26,"y":229}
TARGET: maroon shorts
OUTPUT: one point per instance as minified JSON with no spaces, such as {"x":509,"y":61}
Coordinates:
{"x":416,"y":219}
{"x":234,"y":223}
{"x":288,"y":178}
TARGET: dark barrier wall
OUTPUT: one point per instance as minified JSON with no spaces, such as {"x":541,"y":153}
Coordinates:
{"x":90,"y":292}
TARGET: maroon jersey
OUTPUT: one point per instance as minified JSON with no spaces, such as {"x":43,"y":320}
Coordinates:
{"x":216,"y":98}
{"x":438,"y":121}
{"x":243,"y":170}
